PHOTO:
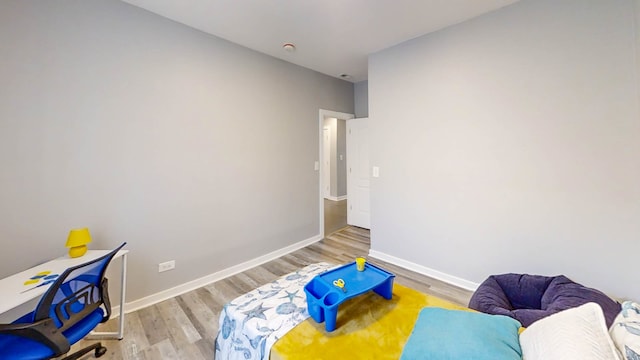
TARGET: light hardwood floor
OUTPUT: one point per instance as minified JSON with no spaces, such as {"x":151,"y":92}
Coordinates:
{"x":185,"y":327}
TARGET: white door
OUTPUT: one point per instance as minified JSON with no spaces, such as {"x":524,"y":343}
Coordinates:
{"x":358,"y":213}
{"x":326,"y":162}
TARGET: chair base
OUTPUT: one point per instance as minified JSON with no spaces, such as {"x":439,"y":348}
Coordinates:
{"x":97,"y":347}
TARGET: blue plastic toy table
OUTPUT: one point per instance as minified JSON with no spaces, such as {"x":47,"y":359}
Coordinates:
{"x":323,"y":298}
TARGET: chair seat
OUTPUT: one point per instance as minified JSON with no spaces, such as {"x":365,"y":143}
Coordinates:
{"x":21,"y":348}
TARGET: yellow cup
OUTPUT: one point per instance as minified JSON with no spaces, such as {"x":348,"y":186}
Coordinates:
{"x":360,"y":261}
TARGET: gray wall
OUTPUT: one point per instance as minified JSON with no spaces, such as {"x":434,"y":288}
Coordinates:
{"x":182,"y":144}
{"x":515,"y":145}
{"x":361,"y":98}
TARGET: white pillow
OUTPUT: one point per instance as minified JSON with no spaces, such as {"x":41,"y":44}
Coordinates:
{"x":625,"y":331}
{"x":578,"y":333}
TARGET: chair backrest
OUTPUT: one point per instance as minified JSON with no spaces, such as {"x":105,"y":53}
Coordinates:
{"x":78,"y":291}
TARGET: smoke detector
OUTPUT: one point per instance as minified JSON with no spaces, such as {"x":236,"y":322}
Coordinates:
{"x":289,"y":47}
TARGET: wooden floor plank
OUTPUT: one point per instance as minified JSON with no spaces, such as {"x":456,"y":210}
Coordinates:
{"x":155,"y":328}
{"x":161,"y":350}
{"x":202,"y":318}
{"x":181,"y":330}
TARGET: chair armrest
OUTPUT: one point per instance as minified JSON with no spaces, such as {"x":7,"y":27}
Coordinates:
{"x":43,"y":331}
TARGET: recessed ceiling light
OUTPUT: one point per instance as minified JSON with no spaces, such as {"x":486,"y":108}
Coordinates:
{"x":289,"y":47}
{"x":345,"y":76}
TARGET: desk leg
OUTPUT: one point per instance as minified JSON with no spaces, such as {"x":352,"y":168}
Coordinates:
{"x":123,"y":286}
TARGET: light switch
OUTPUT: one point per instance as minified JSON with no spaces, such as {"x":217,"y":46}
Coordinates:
{"x":376,"y":171}
{"x":340,"y":156}
{"x":316,"y":166}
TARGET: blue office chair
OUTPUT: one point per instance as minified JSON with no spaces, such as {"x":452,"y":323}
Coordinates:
{"x":70,"y":309}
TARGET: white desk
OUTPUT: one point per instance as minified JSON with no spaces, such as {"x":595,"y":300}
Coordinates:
{"x":13,"y":292}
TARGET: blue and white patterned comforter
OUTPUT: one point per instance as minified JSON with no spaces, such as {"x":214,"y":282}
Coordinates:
{"x":252,"y":323}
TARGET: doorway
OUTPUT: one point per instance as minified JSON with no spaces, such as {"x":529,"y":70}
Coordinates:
{"x":333,"y":171}
{"x":334,"y":168}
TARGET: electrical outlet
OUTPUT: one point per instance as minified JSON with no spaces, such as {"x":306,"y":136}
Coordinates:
{"x":166,"y":266}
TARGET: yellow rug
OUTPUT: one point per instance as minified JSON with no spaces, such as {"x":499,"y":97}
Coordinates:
{"x":368,"y":327}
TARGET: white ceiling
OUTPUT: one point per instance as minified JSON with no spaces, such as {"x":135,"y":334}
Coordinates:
{"x":331,"y":36}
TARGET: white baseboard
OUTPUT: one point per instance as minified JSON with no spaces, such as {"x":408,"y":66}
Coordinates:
{"x":450,"y":279}
{"x":338,"y":198}
{"x":217,"y":276}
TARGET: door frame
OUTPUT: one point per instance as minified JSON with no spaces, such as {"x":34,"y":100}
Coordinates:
{"x":326,"y":148}
{"x":322,"y":114}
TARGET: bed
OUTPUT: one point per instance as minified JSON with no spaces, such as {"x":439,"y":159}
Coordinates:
{"x":276,"y":313}
{"x":272,"y":322}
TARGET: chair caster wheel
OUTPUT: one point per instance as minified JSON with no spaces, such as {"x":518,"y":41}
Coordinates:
{"x":100,"y":351}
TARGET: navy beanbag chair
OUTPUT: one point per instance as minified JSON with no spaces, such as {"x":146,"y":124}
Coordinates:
{"x":528,"y":298}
